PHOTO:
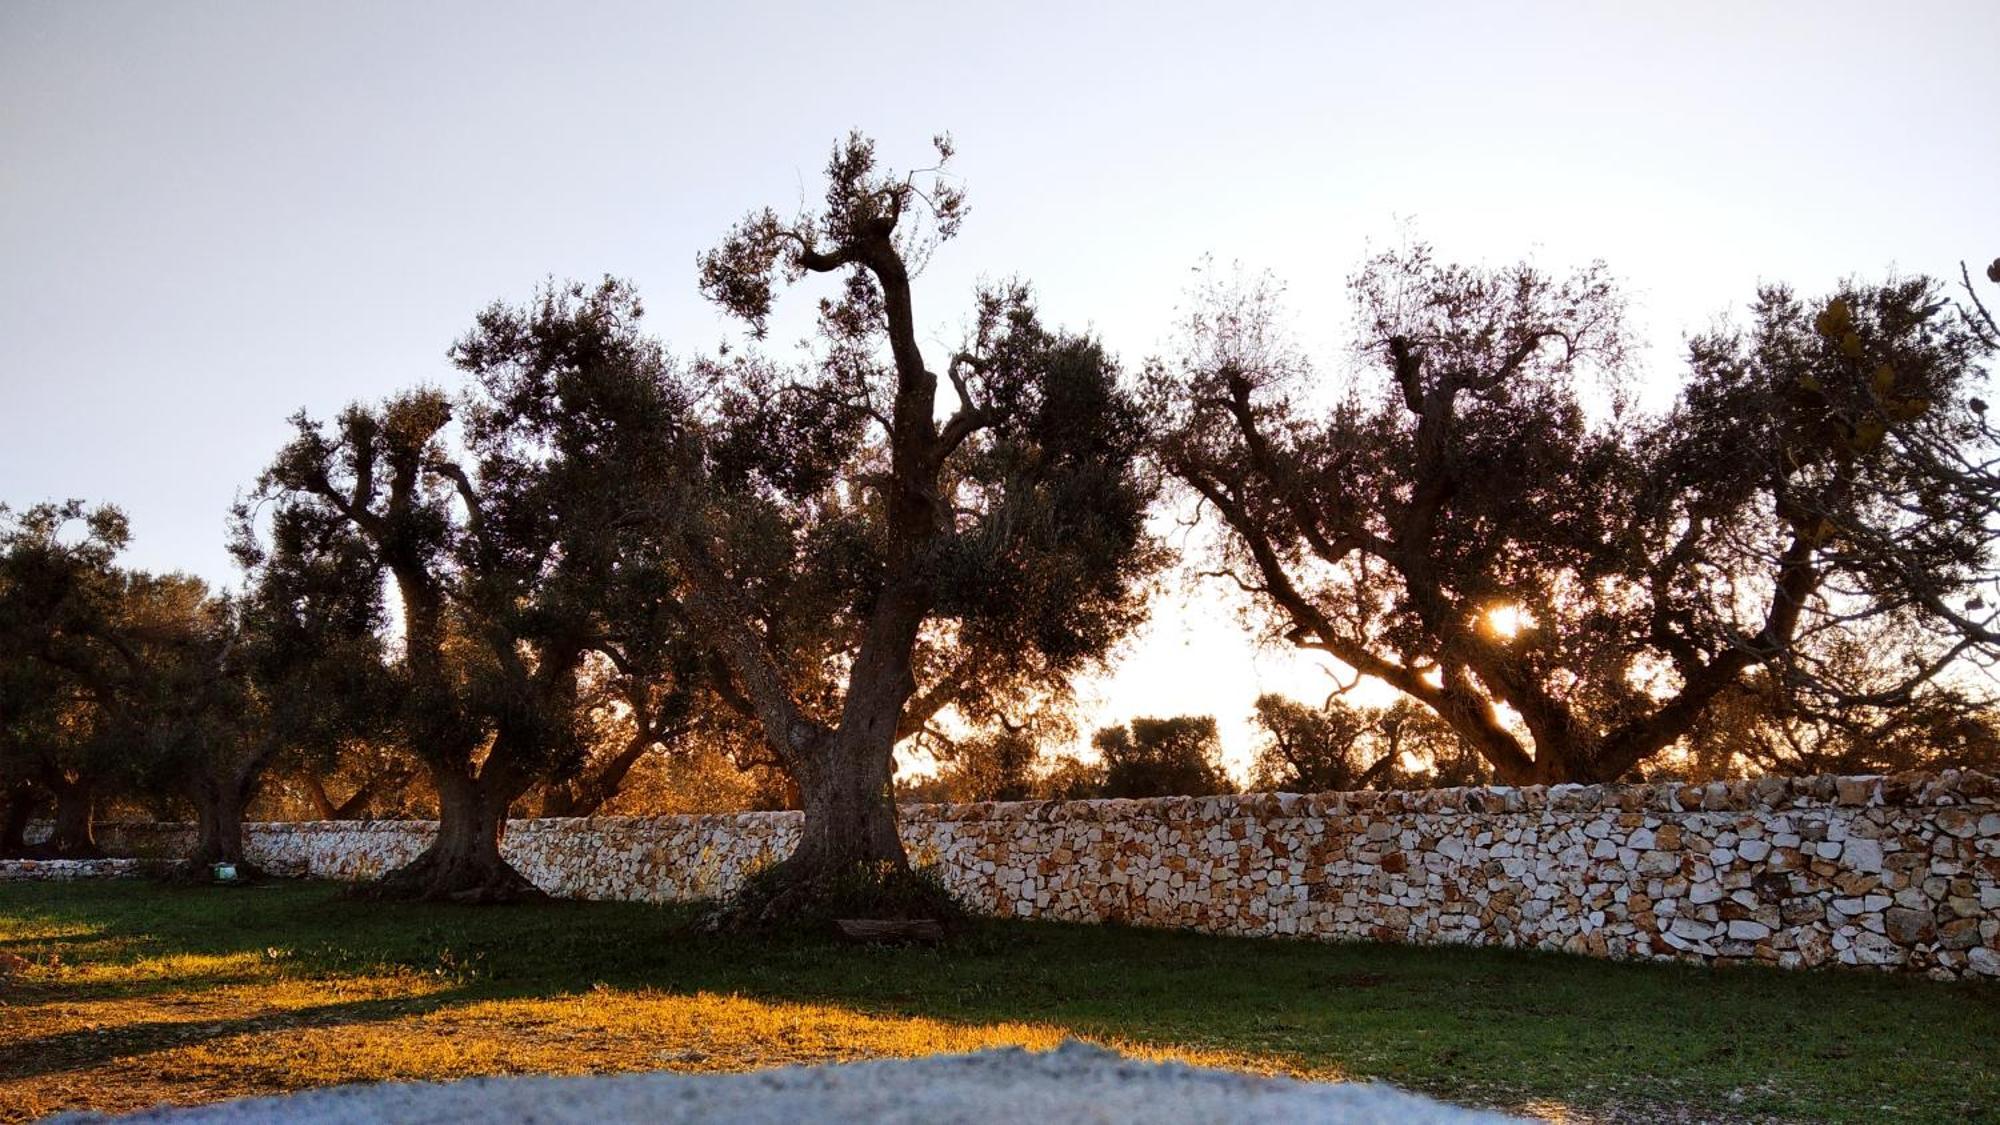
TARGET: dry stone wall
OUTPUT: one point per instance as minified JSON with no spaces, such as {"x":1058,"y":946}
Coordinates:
{"x":65,"y":870}
{"x":1900,"y":872}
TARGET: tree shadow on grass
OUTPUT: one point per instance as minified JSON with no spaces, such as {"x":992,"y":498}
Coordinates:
{"x":84,"y":1048}
{"x":75,"y":992}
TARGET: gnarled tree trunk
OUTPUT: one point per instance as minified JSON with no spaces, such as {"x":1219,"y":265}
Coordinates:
{"x":850,"y":860}
{"x":463,"y":862}
{"x":75,"y":834}
{"x":219,"y":805}
{"x":850,"y":811}
{"x":219,"y":824}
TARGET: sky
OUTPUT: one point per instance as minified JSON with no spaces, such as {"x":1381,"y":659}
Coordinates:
{"x":213,"y":215}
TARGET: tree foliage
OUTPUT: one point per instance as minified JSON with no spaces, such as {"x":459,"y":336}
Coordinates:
{"x":1001,"y":764}
{"x":60,"y":591}
{"x":856,"y":551}
{"x":119,"y":680}
{"x":1179,"y":756}
{"x":1484,"y":522}
{"x":1340,"y":747}
{"x":498,"y":547}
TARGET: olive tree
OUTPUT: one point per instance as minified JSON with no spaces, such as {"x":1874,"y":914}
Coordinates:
{"x":1180,"y":756}
{"x":1339,"y":746}
{"x":494,"y":556}
{"x":64,"y":666}
{"x":1483,"y":521}
{"x":873,"y":535}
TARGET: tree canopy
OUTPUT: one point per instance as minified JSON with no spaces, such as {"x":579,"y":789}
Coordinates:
{"x":1179,"y":756}
{"x":1484,"y":521}
{"x":497,"y":545}
{"x":120,"y":681}
{"x":60,"y":670}
{"x":1339,"y":746}
{"x":857,"y":551}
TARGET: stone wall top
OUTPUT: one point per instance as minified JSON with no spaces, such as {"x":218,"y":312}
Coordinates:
{"x":1772,"y":794}
{"x":1902,"y":790}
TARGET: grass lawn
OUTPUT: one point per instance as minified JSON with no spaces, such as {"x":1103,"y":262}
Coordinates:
{"x":133,"y":994}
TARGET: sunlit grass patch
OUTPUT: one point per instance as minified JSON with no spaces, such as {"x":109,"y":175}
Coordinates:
{"x":28,"y":928}
{"x":602,"y":1032}
{"x":289,"y":1035}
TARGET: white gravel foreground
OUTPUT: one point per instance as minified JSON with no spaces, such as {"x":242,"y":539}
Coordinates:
{"x":1076,"y":1083}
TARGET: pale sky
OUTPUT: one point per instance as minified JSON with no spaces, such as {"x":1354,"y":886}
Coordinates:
{"x":212,"y":215}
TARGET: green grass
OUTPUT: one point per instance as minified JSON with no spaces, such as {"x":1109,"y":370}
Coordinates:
{"x":127,"y":994}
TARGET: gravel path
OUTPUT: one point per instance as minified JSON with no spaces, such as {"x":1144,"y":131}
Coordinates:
{"x":1076,"y":1083}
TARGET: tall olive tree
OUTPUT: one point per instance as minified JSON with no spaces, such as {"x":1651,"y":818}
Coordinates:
{"x":183,"y":709}
{"x":1481,"y":521}
{"x":488,"y":546}
{"x":300,"y":673}
{"x":869,"y":537}
{"x":65,"y":665}
{"x":502,"y":519}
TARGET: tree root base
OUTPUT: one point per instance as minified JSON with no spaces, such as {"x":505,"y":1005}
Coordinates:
{"x":795,"y":897}
{"x":431,"y":879}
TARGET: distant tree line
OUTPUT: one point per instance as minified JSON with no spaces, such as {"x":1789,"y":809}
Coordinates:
{"x":600,"y":575}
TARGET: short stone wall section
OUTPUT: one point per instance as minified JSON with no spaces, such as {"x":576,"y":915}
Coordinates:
{"x":1899,"y":872}
{"x":64,"y":870}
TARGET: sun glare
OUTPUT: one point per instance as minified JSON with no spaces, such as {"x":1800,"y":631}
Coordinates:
{"x":1506,"y":621}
